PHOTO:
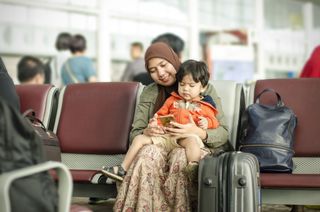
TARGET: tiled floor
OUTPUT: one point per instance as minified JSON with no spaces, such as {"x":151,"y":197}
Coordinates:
{"x":102,"y":207}
{"x":107,"y":206}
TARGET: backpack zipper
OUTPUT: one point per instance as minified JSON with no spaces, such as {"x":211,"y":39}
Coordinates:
{"x":266,"y":145}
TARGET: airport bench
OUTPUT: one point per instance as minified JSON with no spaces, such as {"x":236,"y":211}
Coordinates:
{"x":302,"y":187}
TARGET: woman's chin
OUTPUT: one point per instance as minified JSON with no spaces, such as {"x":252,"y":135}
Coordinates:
{"x":166,"y":83}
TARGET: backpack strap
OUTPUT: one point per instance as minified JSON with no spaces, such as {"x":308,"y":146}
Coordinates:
{"x":279,"y":100}
{"x":70,"y":72}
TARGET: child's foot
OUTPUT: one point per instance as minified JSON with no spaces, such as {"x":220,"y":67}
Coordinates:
{"x":191,"y":171}
{"x":115,"y":172}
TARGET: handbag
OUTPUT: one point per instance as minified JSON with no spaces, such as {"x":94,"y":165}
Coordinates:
{"x":267,"y":131}
{"x":50,"y":140}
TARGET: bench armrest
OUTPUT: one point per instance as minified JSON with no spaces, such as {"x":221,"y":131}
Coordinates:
{"x":64,"y":187}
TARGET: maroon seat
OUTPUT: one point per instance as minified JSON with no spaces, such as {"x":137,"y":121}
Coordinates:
{"x":270,"y":180}
{"x":42,"y":99}
{"x":93,"y":124}
{"x":303,"y":185}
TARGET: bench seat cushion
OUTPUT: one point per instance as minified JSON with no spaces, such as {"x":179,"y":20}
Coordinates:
{"x":82,"y":175}
{"x":279,"y":180}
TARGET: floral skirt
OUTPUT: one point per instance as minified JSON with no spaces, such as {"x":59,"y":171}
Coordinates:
{"x":156,"y":181}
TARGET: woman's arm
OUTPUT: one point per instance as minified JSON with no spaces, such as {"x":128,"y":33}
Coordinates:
{"x":141,"y":118}
{"x":144,"y":114}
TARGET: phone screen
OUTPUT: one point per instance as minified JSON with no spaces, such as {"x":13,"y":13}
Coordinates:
{"x":165,"y":120}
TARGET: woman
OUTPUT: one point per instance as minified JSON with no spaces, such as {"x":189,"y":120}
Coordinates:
{"x":156,"y":179}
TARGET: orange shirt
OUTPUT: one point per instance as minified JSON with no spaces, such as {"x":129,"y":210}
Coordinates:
{"x":181,"y":109}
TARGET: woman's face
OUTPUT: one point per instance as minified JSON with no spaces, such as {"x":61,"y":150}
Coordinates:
{"x":161,"y":71}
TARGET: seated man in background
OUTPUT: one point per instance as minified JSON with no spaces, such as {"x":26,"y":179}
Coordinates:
{"x":136,"y":66}
{"x":174,"y":41}
{"x":30,"y":71}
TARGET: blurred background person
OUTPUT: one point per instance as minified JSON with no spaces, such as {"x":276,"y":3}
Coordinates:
{"x":30,"y":70}
{"x":312,"y":66}
{"x":174,"y":41}
{"x":63,"y":54}
{"x":137,"y":65}
{"x":79,"y":68}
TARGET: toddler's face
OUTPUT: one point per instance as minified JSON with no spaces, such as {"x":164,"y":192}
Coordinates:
{"x":189,"y":89}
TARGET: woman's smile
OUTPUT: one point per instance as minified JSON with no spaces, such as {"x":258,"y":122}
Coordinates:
{"x":164,"y":78}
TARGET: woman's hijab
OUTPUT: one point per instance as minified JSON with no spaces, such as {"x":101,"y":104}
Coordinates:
{"x":162,"y":50}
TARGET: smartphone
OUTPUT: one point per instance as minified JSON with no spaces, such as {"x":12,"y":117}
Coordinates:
{"x":165,"y":120}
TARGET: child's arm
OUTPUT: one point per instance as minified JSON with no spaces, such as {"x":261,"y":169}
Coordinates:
{"x":165,"y":109}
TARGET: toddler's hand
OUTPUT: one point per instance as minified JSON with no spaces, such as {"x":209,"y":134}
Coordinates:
{"x":203,"y":123}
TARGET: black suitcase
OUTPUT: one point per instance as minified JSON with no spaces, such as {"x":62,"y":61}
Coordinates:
{"x":229,"y":183}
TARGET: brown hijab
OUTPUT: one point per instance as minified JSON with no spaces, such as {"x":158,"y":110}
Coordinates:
{"x":162,"y":50}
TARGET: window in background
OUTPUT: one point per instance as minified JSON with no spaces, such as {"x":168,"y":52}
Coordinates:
{"x":226,"y":27}
{"x":142,"y":21}
{"x":31,"y":27}
{"x":316,"y":16}
{"x":285,"y":14}
{"x":315,"y":39}
{"x":284,"y":38}
{"x":227,"y":13}
{"x":23,"y":30}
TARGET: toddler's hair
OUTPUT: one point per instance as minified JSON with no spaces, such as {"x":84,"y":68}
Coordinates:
{"x":197,"y":69}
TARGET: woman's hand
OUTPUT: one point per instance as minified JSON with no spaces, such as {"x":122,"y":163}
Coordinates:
{"x":190,"y":128}
{"x":153,"y":128}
